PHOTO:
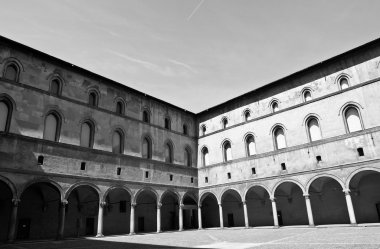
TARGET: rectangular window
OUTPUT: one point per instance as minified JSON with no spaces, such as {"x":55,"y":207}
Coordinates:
{"x":83,"y":166}
{"x":123,"y":206}
{"x":229,"y":175}
{"x":40,"y":160}
{"x":118,"y":171}
{"x":171,"y":177}
{"x":253,"y":171}
{"x":206,"y":179}
{"x":319,"y":158}
{"x":360,"y":151}
{"x":283,"y":166}
{"x":146,"y":174}
{"x":192,"y":180}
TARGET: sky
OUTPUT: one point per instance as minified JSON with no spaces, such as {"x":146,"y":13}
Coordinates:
{"x":194,"y":54}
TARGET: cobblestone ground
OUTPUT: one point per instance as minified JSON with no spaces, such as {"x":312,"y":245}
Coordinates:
{"x":237,"y":238}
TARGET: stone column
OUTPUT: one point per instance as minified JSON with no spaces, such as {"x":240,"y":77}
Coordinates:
{"x":13,"y":220}
{"x":274,"y":211}
{"x":221,"y":215}
{"x":350,"y":207}
{"x":199,"y":217}
{"x":132,"y":219}
{"x":61,"y":219}
{"x":180,"y":214}
{"x":102,"y":204}
{"x":309,"y":211}
{"x":159,"y":217}
{"x":245,"y":214}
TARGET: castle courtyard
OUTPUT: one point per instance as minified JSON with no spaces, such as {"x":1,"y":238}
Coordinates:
{"x":235,"y":238}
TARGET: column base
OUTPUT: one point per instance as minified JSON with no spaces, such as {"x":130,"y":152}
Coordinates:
{"x":200,"y":228}
{"x":99,"y":235}
{"x":180,"y":230}
{"x":354,"y":224}
{"x":132,"y":233}
{"x":311,"y":226}
{"x":159,"y":231}
{"x":246,"y":227}
{"x":276,"y":226}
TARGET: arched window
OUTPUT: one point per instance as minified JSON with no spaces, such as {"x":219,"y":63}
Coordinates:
{"x":227,"y":155}
{"x":167,"y":123}
{"x":224,"y":123}
{"x":147,"y":148}
{"x":187,"y":161}
{"x":11,"y":72}
{"x":203,"y":130}
{"x":145,"y":117}
{"x":168,"y":153}
{"x":279,"y":138}
{"x":52,"y":127}
{"x":185,"y":132}
{"x":117,"y":142}
{"x":247,"y":115}
{"x":352,"y":119}
{"x":314,"y":131}
{"x":5,"y":114}
{"x":275,"y":107}
{"x":93,"y":99}
{"x":119,"y":108}
{"x":343,"y":83}
{"x":55,"y":87}
{"x":306,"y":95}
{"x":250,"y":145}
{"x":87,"y":134}
{"x":205,"y":159}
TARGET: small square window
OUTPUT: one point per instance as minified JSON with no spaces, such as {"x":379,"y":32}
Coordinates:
{"x":253,"y":171}
{"x":83,"y":166}
{"x":146,"y":174}
{"x":118,"y":171}
{"x":319,"y":158}
{"x":206,"y":179}
{"x":171,"y":177}
{"x":40,"y":160}
{"x":283,"y":166}
{"x":192,"y":180}
{"x":229,"y":175}
{"x":360,"y":151}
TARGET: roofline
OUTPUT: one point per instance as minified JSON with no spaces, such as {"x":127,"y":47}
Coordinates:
{"x":92,"y":74}
{"x":295,"y":74}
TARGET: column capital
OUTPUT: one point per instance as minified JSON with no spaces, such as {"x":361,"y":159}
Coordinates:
{"x":159,"y":205}
{"x":199,"y":206}
{"x":273,"y":199}
{"x":64,"y":202}
{"x":181,"y":205}
{"x":102,"y":204}
{"x":244,"y":202}
{"x":219,"y":204}
{"x":15,"y":201}
{"x":307,"y":196}
{"x":133,"y":205}
{"x":346,"y":191}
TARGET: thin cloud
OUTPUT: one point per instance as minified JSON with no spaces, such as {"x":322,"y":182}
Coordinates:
{"x":195,"y":10}
{"x":184,"y":65}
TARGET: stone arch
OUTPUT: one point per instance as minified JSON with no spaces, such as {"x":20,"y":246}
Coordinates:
{"x":352,"y":174}
{"x":78,"y":184}
{"x":116,"y":187}
{"x":11,"y":186}
{"x":44,"y":180}
{"x":14,"y":60}
{"x":168,"y":191}
{"x":254,"y":185}
{"x":192,"y":195}
{"x":286,"y":180}
{"x":149,"y":189}
{"x":347,"y":104}
{"x":224,"y":191}
{"x":205,"y":194}
{"x":310,"y":181}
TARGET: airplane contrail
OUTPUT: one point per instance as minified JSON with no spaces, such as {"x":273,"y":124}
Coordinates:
{"x":195,"y":10}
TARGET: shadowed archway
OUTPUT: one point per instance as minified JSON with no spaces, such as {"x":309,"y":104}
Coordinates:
{"x":259,"y":207}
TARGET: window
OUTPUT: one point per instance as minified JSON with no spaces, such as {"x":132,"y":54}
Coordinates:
{"x":283,"y":166}
{"x":247,"y":115}
{"x":117,"y":142}
{"x":52,"y":127}
{"x":352,"y":119}
{"x":147,"y":148}
{"x":167,"y":123}
{"x":171,"y":177}
{"x":55,"y":87}
{"x":306,"y":95}
{"x":318,"y":158}
{"x":87,"y":134}
{"x":118,"y":171}
{"x":227,"y":155}
{"x":83,"y":166}
{"x":93,"y":99}
{"x":146,"y":174}
{"x":123,"y":206}
{"x":275,"y":107}
{"x":343,"y":83}
{"x":253,"y":171}
{"x":185,"y":132}
{"x":279,"y":138}
{"x":224,"y":123}
{"x":192,"y":180}
{"x":250,"y":145}
{"x":206,"y":179}
{"x":313,"y":129}
{"x":187,"y":157}
{"x":40,"y":160}
{"x":146,"y":118}
{"x":229,"y":175}
{"x":119,"y":108}
{"x":11,"y":72}
{"x":5,"y":114}
{"x":203,"y":130}
{"x":205,"y":159}
{"x":360,"y":151}
{"x":168,"y":153}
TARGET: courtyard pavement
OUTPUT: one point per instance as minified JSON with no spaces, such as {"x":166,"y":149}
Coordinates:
{"x":234,"y":238}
